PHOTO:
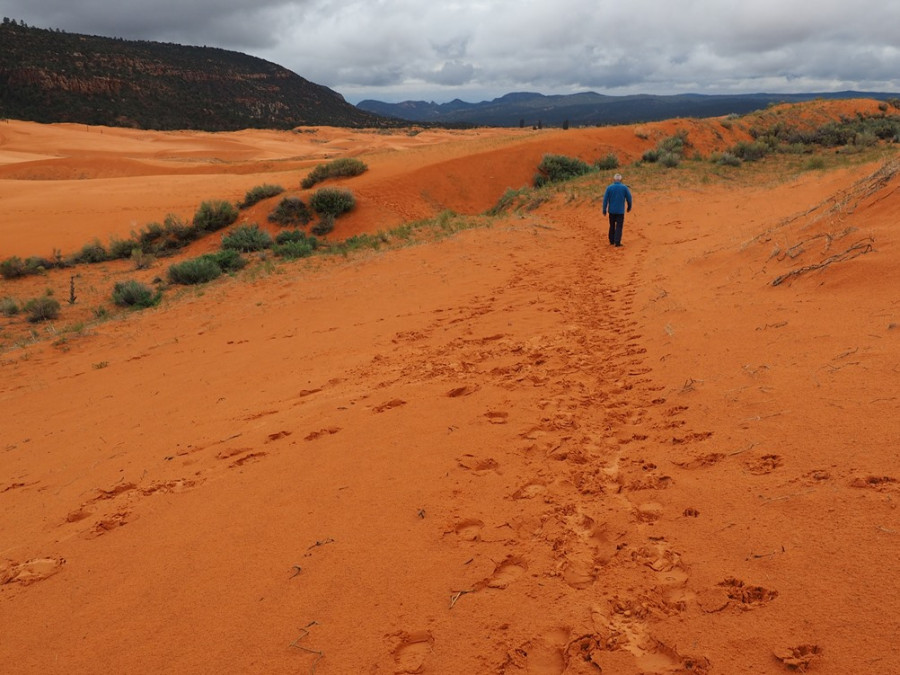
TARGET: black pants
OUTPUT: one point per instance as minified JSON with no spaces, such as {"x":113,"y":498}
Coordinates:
{"x":616,"y":223}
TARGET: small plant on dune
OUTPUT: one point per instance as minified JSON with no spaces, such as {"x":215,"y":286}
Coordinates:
{"x":297,"y":248}
{"x":339,"y":168}
{"x":290,"y":211}
{"x":750,"y":151}
{"x":607,"y":163}
{"x":92,"y":252}
{"x":141,"y":260}
{"x":324,"y":226}
{"x":214,"y":215}
{"x":725,"y":159}
{"x":12,"y":268}
{"x":332,"y":201}
{"x":9,"y":307}
{"x":194,"y":271}
{"x":134,"y":294}
{"x":246,"y":238}
{"x":258,"y":193}
{"x":228,"y":260}
{"x":119,"y":249}
{"x":42,"y":309}
{"x":555,"y":168}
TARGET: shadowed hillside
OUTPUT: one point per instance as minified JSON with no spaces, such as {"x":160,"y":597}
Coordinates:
{"x":52,"y":76}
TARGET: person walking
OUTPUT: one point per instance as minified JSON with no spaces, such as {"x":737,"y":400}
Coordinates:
{"x":615,"y":200}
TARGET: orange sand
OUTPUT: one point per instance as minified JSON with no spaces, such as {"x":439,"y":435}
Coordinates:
{"x":514,"y":450}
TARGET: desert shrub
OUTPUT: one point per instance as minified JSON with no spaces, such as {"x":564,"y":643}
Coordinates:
{"x":670,"y":159}
{"x":725,"y":159}
{"x":287,"y":236}
{"x":608,"y":163}
{"x":12,"y":268}
{"x":228,"y":260}
{"x":9,"y":307}
{"x":295,"y":249}
{"x":92,"y":252}
{"x":750,"y":152}
{"x":650,"y":156}
{"x":122,"y":248}
{"x":555,"y":168}
{"x":290,"y":211}
{"x":339,"y":168}
{"x":141,"y":260}
{"x":332,"y":201}
{"x":194,"y":271}
{"x":42,"y":309}
{"x":214,"y":215}
{"x":258,"y":193}
{"x":324,"y":226}
{"x":675,"y":144}
{"x":247,"y":238}
{"x":134,"y":294}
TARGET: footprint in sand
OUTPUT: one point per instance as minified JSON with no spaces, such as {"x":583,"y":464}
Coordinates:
{"x":746,"y":595}
{"x":508,"y":571}
{"x":469,"y":530}
{"x":30,"y":571}
{"x":760,"y":466}
{"x":389,"y":405}
{"x":412,"y":652}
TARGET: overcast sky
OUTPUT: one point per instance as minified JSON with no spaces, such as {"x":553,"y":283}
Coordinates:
{"x":395,"y":50}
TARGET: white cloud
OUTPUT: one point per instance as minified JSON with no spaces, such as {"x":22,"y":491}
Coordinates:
{"x":395,"y":49}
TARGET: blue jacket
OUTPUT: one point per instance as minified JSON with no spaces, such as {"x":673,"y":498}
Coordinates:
{"x":615,"y":198}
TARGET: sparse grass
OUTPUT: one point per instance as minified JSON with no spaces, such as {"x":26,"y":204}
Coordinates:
{"x":9,"y":307}
{"x":259,"y":193}
{"x":339,"y":168}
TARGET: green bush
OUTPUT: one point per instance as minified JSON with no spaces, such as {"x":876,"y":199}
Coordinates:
{"x":134,"y":294}
{"x":670,"y":159}
{"x":92,"y":252}
{"x":650,"y":156}
{"x":339,"y":168}
{"x":42,"y":309}
{"x":194,"y":271}
{"x":122,"y":248}
{"x":332,"y":201}
{"x":287,"y":236}
{"x":257,"y":194}
{"x":9,"y":307}
{"x":227,"y":260}
{"x":750,"y":152}
{"x":607,"y":163}
{"x":555,"y":168}
{"x":12,"y":268}
{"x":295,"y":249}
{"x":324,"y":226}
{"x":290,"y":211}
{"x":213,"y":216}
{"x":725,"y":159}
{"x":247,"y":238}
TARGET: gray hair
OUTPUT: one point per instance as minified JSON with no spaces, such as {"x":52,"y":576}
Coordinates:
{"x":618,"y":178}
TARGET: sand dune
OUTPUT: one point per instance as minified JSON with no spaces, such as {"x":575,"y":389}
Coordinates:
{"x":511,"y":450}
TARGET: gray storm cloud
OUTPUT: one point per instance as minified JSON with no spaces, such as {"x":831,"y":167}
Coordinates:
{"x":395,"y":49}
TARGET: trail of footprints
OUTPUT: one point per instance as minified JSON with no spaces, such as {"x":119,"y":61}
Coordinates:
{"x":597,"y":410}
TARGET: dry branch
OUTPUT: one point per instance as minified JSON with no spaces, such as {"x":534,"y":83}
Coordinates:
{"x":861,"y":247}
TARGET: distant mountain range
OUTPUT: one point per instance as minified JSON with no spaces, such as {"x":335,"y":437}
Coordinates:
{"x":589,"y":108}
{"x":53,"y":76}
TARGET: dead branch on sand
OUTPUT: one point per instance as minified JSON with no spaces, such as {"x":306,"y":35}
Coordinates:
{"x":861,"y":247}
{"x":319,"y":654}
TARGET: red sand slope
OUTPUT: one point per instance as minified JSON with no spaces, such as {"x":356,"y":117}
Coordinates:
{"x":515,"y":450}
